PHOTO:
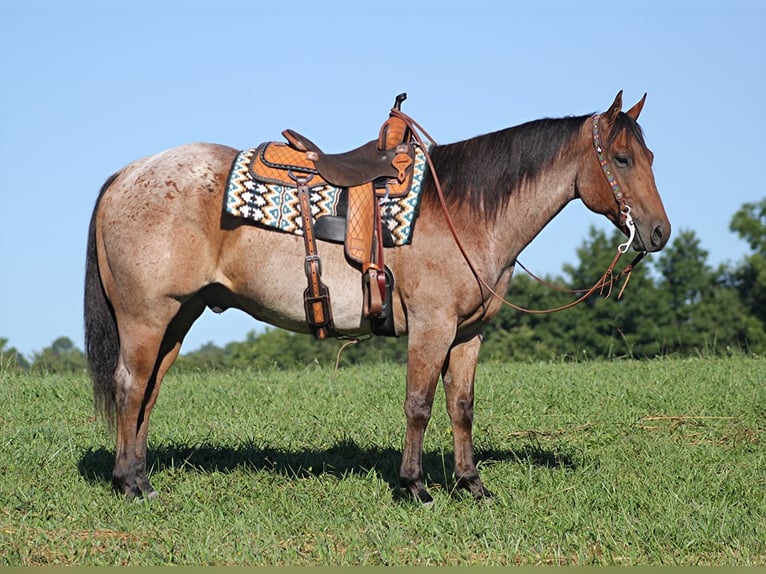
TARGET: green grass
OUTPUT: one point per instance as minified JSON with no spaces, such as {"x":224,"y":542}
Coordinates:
{"x":660,"y":462}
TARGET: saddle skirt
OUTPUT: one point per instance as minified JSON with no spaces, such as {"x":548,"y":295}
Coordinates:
{"x":260,"y":189}
{"x":274,"y":162}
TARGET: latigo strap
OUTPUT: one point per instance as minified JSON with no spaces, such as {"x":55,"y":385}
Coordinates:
{"x":316,"y":297}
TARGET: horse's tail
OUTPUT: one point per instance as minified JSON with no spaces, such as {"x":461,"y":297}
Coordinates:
{"x":102,"y":343}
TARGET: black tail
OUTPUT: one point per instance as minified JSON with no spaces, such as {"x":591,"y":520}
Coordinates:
{"x":102,"y":343}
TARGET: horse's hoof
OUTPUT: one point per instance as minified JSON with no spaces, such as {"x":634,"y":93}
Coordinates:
{"x":422,"y":496}
{"x":135,"y":493}
{"x":487,"y":498}
{"x":145,"y":496}
{"x":150,"y":494}
{"x":484,"y":494}
{"x":476,"y":488}
{"x":418,"y":491}
{"x":426,"y":500}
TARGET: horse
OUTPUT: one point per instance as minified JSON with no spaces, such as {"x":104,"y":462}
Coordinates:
{"x":160,"y":250}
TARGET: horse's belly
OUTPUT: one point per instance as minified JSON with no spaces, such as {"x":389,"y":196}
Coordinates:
{"x":264,"y":270}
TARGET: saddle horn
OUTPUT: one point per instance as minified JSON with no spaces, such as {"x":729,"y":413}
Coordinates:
{"x":394,"y":131}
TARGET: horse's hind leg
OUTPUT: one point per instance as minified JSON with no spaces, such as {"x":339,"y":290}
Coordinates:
{"x":146,"y":353}
{"x":458,"y":375}
{"x":135,"y":380}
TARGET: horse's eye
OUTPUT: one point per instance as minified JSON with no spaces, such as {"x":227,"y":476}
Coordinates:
{"x":623,"y":160}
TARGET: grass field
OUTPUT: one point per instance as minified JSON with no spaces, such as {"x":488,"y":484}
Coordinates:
{"x":660,"y":462}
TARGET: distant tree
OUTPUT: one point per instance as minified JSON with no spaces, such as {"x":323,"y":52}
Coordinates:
{"x":61,"y":357}
{"x":601,"y":325}
{"x":282,"y":349}
{"x":376,"y":350}
{"x":277,"y":348}
{"x":705,"y":314}
{"x":607,"y":325}
{"x":10,"y":358}
{"x":208,"y":357}
{"x":749,"y":222}
{"x":514,"y":335}
{"x":674,"y":303}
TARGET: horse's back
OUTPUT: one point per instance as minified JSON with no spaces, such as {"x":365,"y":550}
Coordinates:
{"x":191,"y":173}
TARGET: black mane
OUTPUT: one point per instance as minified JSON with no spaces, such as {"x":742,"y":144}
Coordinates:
{"x":482,"y":172}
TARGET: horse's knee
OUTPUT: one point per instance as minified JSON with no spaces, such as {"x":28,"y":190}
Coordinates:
{"x":459,"y":400}
{"x":121,"y":384}
{"x":417,"y":408}
{"x":130,"y":380}
{"x":461,"y":411}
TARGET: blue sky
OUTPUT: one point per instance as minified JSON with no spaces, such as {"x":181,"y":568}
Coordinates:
{"x":89,"y":86}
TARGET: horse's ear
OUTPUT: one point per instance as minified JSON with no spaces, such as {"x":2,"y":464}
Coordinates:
{"x":636,"y":110}
{"x":611,"y":114}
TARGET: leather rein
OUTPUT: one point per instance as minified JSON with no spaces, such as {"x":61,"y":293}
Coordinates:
{"x":608,"y":278}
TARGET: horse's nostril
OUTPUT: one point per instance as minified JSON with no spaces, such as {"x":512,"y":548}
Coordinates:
{"x":658,"y":236}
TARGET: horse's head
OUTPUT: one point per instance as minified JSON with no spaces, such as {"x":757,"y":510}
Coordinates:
{"x":616,"y":179}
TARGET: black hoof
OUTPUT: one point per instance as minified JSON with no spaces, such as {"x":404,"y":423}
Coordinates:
{"x":418,"y":491}
{"x":475,"y":487}
{"x":139,"y":491}
{"x":145,"y":496}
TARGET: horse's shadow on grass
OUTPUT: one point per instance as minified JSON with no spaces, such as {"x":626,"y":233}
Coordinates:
{"x":342,"y":459}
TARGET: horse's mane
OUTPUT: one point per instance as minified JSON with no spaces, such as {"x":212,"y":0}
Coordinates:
{"x":626,"y":123}
{"x":482,"y":172}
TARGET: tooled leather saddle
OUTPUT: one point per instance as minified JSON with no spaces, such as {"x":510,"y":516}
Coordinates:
{"x":382,"y":167}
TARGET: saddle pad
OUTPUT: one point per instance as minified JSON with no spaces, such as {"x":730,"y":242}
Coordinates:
{"x":276,"y":205}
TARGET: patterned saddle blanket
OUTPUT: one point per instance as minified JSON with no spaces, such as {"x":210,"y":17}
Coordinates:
{"x":276,"y":205}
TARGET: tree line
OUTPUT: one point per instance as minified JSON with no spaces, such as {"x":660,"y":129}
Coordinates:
{"x":675,"y":304}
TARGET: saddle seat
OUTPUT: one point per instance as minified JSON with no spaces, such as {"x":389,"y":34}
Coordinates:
{"x":361,"y":165}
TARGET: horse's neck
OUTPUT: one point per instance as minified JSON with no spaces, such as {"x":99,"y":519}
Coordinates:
{"x":493,"y":246}
{"x":514,"y":198}
{"x":493,"y":241}
{"x":533,"y":206}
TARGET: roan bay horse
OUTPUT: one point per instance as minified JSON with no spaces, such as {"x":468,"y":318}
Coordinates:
{"x":160,"y":251}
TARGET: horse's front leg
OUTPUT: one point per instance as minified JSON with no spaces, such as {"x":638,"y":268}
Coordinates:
{"x":459,"y":373}
{"x":425,"y":356}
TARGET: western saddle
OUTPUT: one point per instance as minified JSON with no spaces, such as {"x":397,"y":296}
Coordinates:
{"x":382,"y":167}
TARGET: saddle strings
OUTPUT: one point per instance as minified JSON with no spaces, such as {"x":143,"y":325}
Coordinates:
{"x":604,"y":284}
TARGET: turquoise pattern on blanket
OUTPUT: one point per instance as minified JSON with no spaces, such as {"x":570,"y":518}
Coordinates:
{"x":277,"y":206}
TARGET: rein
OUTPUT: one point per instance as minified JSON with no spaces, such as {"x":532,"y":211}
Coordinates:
{"x":608,"y":279}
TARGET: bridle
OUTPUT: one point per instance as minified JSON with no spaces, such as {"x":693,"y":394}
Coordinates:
{"x":626,"y":220}
{"x":608,"y":279}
